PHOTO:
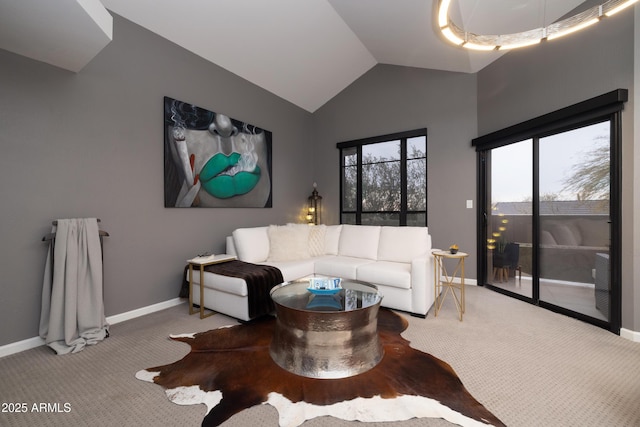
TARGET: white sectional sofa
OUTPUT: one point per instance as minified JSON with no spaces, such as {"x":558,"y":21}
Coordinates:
{"x":397,"y":260}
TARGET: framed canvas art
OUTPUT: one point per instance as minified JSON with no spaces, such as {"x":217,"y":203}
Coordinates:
{"x":214,"y":161}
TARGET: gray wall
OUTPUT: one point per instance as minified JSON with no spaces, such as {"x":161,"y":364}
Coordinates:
{"x":91,"y":145}
{"x":390,"y":99}
{"x":530,"y":82}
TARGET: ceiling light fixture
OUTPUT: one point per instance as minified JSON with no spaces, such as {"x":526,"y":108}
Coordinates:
{"x":458,"y":36}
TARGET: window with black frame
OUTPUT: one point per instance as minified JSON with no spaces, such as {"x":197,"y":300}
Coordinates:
{"x":384,"y":180}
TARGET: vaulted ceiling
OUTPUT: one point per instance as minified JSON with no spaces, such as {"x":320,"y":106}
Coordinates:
{"x":305,"y":51}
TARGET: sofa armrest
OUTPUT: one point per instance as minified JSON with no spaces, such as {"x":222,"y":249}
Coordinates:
{"x":422,"y":283}
{"x":231,"y":247}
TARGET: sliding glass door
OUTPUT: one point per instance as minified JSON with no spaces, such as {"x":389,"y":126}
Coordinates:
{"x":574,"y":216}
{"x":547,"y":221}
{"x":549,"y":217}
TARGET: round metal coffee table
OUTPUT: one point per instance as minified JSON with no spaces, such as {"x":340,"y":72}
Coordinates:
{"x":326,"y":335}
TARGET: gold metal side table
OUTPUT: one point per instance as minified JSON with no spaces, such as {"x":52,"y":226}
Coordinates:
{"x":445,"y":282}
{"x":202,"y":262}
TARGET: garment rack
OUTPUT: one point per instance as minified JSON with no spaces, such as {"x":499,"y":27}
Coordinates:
{"x":52,"y":236}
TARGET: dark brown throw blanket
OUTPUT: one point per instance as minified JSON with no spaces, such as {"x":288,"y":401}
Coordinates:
{"x":260,"y":279}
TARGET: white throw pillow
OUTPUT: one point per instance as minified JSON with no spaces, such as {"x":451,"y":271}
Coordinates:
{"x":316,"y":240}
{"x":288,"y":243}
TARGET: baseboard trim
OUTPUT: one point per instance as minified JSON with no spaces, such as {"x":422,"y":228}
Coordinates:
{"x":630,"y":335}
{"x":34,"y":342}
{"x":20,"y":346}
{"x":117,"y":318}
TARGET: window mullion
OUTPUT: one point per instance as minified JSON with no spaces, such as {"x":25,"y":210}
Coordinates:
{"x":403,"y":181}
{"x":359,"y":187}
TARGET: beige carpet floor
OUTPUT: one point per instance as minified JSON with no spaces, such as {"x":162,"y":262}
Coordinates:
{"x":529,"y":366}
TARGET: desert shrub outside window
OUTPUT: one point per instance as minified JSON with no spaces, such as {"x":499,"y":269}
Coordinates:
{"x":384,"y":180}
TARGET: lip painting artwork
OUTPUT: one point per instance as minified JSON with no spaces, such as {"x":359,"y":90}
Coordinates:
{"x":214,"y":161}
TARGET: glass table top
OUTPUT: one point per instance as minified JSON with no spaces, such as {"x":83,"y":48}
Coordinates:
{"x":352,"y":295}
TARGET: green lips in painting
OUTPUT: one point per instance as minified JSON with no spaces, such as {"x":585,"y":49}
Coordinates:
{"x":226,"y":185}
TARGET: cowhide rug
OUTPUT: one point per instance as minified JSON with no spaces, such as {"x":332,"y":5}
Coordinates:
{"x":229,"y":369}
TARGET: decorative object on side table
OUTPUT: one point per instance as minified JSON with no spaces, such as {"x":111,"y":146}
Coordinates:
{"x":453,"y":249}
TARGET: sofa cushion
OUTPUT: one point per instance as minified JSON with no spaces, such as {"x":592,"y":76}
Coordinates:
{"x":288,"y":242}
{"x":395,"y":274}
{"x":252,"y":244}
{"x":595,"y":232}
{"x":402,"y":244}
{"x":332,"y":239}
{"x":359,"y":241}
{"x":339,"y":266}
{"x":292,"y":270}
{"x":566,"y":234}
